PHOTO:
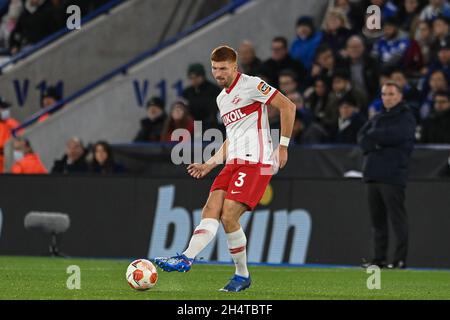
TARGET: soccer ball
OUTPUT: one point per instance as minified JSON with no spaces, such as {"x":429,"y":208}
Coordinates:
{"x":141,"y":274}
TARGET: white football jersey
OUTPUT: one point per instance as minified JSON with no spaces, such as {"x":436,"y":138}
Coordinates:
{"x":243,"y":109}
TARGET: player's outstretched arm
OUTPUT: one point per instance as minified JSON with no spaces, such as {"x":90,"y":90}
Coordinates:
{"x":287,"y":116}
{"x":199,"y":170}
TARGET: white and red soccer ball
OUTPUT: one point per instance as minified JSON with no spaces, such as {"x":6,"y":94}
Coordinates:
{"x":141,"y":274}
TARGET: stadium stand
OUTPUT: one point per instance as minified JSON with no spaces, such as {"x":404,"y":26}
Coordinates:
{"x":123,"y":92}
{"x":110,"y":36}
{"x":349,"y":63}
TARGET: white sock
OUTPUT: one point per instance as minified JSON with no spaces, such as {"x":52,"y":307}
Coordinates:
{"x":237,"y":243}
{"x":203,"y":234}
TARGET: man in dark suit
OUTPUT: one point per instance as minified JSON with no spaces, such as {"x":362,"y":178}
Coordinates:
{"x":387,"y":142}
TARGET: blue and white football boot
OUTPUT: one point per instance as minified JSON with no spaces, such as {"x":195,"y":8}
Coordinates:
{"x":179,"y":263}
{"x":237,"y":283}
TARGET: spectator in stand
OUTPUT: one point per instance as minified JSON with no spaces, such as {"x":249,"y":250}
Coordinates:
{"x":201,"y":96}
{"x":336,"y":30}
{"x":179,"y":118}
{"x":370,"y":34}
{"x":5,"y":114}
{"x":7,"y":124}
{"x":25,"y":160}
{"x":434,"y":9}
{"x":152,"y":125}
{"x":349,"y":123}
{"x":281,"y":60}
{"x":304,"y":47}
{"x":353,"y":11}
{"x":436,"y":128}
{"x":326,"y":63}
{"x":74,"y":160}
{"x":390,"y":50}
{"x":316,"y":97}
{"x":58,"y":14}
{"x":441,"y":36}
{"x":49,"y":98}
{"x":388,"y":8}
{"x":410,"y":94}
{"x":33,"y":25}
{"x":8,"y":23}
{"x":424,"y":37}
{"x":103,"y":160}
{"x":303,"y":116}
{"x":442,"y":64}
{"x":297,"y":99}
{"x":305,"y":132}
{"x":40,"y":18}
{"x":341,"y":90}
{"x":364,"y":70}
{"x":438,"y":82}
{"x":287,"y":81}
{"x":300,"y":106}
{"x":248,"y":60}
{"x":395,"y":49}
{"x":413,"y":62}
{"x":409,"y":15}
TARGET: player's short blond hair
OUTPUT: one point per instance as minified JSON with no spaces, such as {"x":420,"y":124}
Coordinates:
{"x":224,"y":53}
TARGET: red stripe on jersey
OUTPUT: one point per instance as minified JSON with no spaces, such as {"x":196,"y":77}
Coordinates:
{"x":237,"y":250}
{"x":234,"y":83}
{"x":260,"y":138}
{"x":271,"y":97}
{"x":199,"y":231}
{"x":239,"y":113}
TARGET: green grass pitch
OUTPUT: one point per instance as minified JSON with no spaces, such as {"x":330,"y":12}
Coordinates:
{"x":45,"y":278}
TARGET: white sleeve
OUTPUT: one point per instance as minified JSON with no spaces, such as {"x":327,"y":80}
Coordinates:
{"x":260,"y":91}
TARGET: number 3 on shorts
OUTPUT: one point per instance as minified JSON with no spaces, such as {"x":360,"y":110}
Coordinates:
{"x":240,"y":180}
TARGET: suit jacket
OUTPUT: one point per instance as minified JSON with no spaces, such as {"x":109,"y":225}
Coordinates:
{"x":387,"y":141}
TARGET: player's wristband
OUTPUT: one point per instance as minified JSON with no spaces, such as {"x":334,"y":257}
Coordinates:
{"x":284,"y":141}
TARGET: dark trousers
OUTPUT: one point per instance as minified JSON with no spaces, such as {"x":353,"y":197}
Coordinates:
{"x":387,"y":202}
